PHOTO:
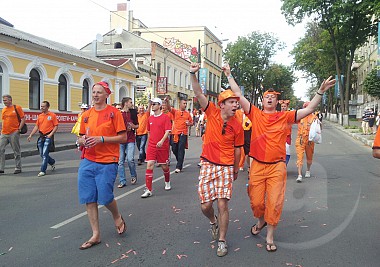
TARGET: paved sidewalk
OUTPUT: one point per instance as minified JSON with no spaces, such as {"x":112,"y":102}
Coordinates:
{"x":64,"y":141}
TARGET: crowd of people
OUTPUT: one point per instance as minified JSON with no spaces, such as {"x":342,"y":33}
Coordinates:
{"x":234,"y":133}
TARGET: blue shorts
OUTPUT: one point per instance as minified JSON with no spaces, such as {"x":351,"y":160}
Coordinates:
{"x":96,"y":182}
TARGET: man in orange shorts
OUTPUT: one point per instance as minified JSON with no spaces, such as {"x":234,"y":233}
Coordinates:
{"x":220,"y":158}
{"x":267,"y":176}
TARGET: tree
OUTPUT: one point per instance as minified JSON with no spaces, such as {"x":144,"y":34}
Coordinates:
{"x":249,"y":58}
{"x":372,"y":84}
{"x":349,"y":24}
{"x":281,"y":78}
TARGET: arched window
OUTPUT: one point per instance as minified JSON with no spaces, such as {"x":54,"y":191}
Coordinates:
{"x":85,"y":92}
{"x":118,"y":45}
{"x":1,"y":84}
{"x":62,"y":93}
{"x":34,"y":89}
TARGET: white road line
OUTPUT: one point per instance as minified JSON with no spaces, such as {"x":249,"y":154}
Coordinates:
{"x":101,"y":206}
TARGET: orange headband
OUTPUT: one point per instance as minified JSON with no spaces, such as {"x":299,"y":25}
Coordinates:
{"x":269,"y":92}
{"x":105,"y":86}
{"x":284,"y":102}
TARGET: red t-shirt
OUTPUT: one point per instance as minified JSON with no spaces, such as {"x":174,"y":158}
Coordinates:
{"x":157,"y":126}
{"x":269,"y":131}
{"x":219,"y":148}
{"x":106,"y":122}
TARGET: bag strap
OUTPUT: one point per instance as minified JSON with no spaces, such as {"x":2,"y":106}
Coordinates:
{"x":18,"y":116}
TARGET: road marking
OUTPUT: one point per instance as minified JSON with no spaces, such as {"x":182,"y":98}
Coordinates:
{"x":116,"y":198}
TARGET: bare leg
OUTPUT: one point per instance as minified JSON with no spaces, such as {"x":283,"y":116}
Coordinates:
{"x":300,"y":170}
{"x":223,"y":218}
{"x":270,"y":238}
{"x":92,"y":213}
{"x":112,"y":207}
{"x":208,"y":211}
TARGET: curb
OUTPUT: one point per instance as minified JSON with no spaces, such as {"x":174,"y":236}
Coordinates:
{"x":35,"y":152}
{"x":356,"y":136}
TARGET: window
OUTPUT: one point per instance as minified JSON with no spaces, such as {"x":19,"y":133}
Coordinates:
{"x":167,"y":74}
{"x":187,"y":84}
{"x":215,"y":58}
{"x":175,"y":77}
{"x":118,"y":45}
{"x":85,"y":92}
{"x":158,"y":69}
{"x":180,"y":79}
{"x":62,"y":93}
{"x":210,"y":81}
{"x":1,"y":84}
{"x":211,"y":53}
{"x":34,"y":89}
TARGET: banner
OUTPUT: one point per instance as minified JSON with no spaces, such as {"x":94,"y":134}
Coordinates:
{"x":162,"y":85}
{"x":202,"y":76}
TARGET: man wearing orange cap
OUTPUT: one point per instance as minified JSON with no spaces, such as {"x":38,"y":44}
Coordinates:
{"x":267,"y":176}
{"x":303,"y":145}
{"x":220,"y":157}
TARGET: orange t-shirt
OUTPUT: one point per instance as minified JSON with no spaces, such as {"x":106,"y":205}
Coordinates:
{"x":376,"y":142}
{"x":106,"y":122}
{"x":219,"y":148}
{"x":46,"y":122}
{"x":9,"y":119}
{"x":143,"y":122}
{"x":269,"y":131}
{"x":239,"y":116}
{"x":180,"y":118}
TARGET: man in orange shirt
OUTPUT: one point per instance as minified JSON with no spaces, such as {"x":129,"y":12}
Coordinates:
{"x":47,"y":125}
{"x":182,"y":120}
{"x":142,"y":132}
{"x":220,"y":158}
{"x":267,"y":176}
{"x":10,"y":132}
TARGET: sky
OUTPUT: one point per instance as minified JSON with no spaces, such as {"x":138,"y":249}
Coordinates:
{"x":77,"y":22}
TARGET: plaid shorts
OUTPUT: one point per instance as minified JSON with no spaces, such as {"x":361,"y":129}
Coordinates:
{"x":215,"y":182}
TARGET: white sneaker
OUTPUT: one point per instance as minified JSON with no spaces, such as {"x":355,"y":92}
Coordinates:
{"x":299,"y":179}
{"x":167,"y":186}
{"x":177,"y":171}
{"x":146,"y":194}
{"x":307,"y":174}
{"x":222,"y":248}
{"x":41,"y":174}
{"x":53,"y":167}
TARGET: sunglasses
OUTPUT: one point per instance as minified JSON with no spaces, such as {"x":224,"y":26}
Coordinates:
{"x":153,"y":104}
{"x":224,"y":128}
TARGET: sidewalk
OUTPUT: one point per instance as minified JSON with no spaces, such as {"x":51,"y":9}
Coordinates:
{"x":64,"y":141}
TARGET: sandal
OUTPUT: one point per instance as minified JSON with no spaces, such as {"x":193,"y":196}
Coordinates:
{"x":133,"y":180}
{"x":257,"y":229}
{"x":89,"y":244}
{"x":271,"y":247}
{"x":122,"y":224}
{"x":121,"y":185}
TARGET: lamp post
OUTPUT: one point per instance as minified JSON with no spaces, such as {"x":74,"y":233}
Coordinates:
{"x":200,"y":46}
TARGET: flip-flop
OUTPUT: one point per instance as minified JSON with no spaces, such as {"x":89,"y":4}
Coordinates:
{"x":134,"y":180}
{"x":91,"y":244}
{"x":121,"y":225}
{"x":258,"y":229}
{"x":270,"y":247}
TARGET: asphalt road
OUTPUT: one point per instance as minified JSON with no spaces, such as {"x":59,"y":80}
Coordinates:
{"x":331,"y":219}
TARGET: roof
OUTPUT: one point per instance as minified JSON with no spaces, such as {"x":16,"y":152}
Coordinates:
{"x":3,"y":21}
{"x":46,"y":43}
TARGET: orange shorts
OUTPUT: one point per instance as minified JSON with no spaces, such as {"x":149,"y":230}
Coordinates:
{"x":215,"y":182}
{"x":305,"y":148}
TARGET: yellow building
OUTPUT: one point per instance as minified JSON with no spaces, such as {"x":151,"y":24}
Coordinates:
{"x":34,"y":69}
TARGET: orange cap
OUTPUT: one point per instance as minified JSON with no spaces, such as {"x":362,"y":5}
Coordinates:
{"x":225,"y":95}
{"x":271,"y":92}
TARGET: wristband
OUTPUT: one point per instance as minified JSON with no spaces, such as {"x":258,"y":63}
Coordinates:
{"x":229,"y":77}
{"x":192,"y":72}
{"x":319,"y":94}
{"x":102,"y":139}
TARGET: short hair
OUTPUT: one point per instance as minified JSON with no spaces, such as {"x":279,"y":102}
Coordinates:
{"x":8,"y":96}
{"x":47,"y":103}
{"x":125,"y":100}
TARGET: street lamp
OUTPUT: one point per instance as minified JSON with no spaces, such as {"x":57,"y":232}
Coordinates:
{"x":200,"y":46}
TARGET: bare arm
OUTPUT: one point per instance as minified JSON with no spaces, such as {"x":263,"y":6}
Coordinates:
{"x":161,"y":142}
{"x":52,"y":132}
{"x":35,"y":129}
{"x":236,"y":162}
{"x":376,"y":153}
{"x":236,"y":89}
{"x":326,"y":84}
{"x":202,"y":99}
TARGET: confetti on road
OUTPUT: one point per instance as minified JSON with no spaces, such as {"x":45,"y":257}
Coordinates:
{"x":182,"y":222}
{"x":298,"y":265}
{"x":114,"y":261}
{"x":247,"y":236}
{"x":309,"y":211}
{"x":197,"y":242}
{"x":236,"y":249}
{"x":56,"y":237}
{"x":213,"y":241}
{"x":304,"y":226}
{"x":3,"y":253}
{"x":239,"y":228}
{"x":289,"y":264}
{"x":324,"y":224}
{"x":123,"y":256}
{"x":118,"y":243}
{"x":259,"y":245}
{"x":181,"y":256}
{"x":10,"y":249}
{"x":129,"y":251}
{"x":212,"y":246}
{"x":107,"y":245}
{"x":164,"y":252}
{"x":130,"y":215}
{"x":237,"y":220}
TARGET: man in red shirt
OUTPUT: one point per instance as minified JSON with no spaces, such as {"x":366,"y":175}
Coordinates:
{"x":220,"y":158}
{"x":47,"y":125}
{"x":10,"y":132}
{"x":182,"y":120}
{"x":159,"y":127}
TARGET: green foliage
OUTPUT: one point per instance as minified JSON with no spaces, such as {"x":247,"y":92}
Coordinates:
{"x":142,"y":99}
{"x":372,"y":84}
{"x":281,"y":78}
